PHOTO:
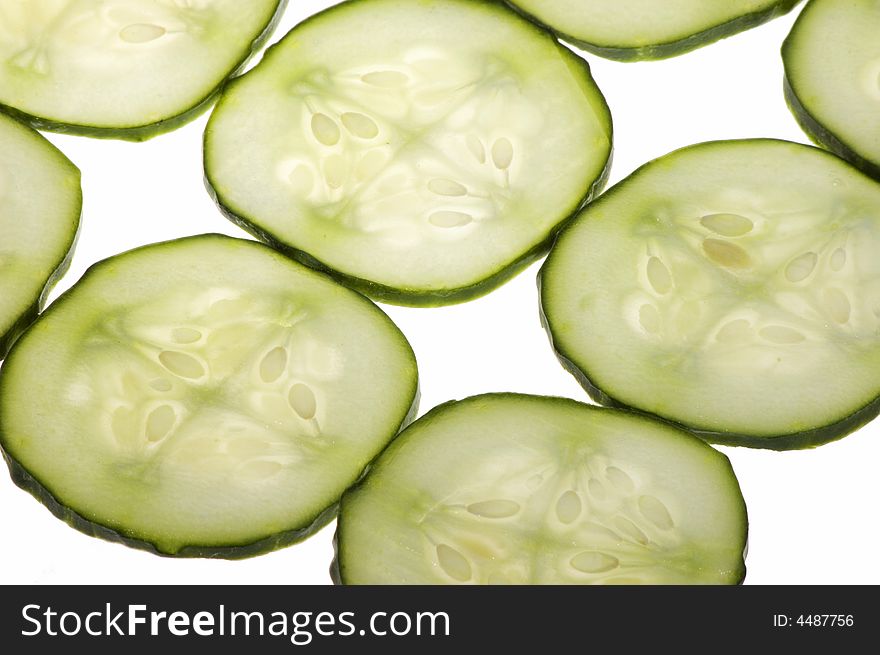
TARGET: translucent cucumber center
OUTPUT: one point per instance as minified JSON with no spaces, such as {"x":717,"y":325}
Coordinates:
{"x":592,"y":520}
{"x":41,"y":36}
{"x":746,"y":284}
{"x":237,"y":389}
{"x":871,"y":80}
{"x":425,"y":148}
{"x":4,"y":188}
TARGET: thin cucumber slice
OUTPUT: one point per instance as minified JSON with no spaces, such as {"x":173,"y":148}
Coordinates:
{"x":40,"y":206}
{"x":514,"y":489}
{"x":632,"y":30}
{"x":832,"y":78}
{"x":733,"y":287}
{"x":127,"y":69}
{"x":202,"y":397}
{"x":421,"y":152}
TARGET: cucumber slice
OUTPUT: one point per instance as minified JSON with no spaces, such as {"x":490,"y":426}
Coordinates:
{"x":40,"y":206}
{"x":832,"y":78}
{"x":202,"y":397}
{"x":632,"y":30}
{"x":127,"y":69}
{"x":733,"y":287}
{"x":416,"y":165}
{"x":514,"y":489}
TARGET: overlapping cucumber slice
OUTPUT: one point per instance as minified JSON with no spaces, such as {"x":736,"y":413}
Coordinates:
{"x":422,"y":152}
{"x":832,"y":74}
{"x":514,"y":489}
{"x":123,"y":68}
{"x":40,"y":205}
{"x":647,"y":29}
{"x":202,"y":397}
{"x":733,"y":287}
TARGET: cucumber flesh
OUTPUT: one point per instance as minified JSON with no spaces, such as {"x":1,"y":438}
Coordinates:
{"x":832,"y":72}
{"x":205,"y":396}
{"x":646,"y":29}
{"x":416,"y":165}
{"x":513,"y":489}
{"x":40,"y":206}
{"x":732,"y":287}
{"x":123,"y":68}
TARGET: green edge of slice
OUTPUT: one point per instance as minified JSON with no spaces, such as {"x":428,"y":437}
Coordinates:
{"x":28,"y":314}
{"x":674,"y":47}
{"x":139,"y":133}
{"x":535,"y":408}
{"x":581,"y":371}
{"x":815,"y":129}
{"x":21,"y":324}
{"x":793,"y":441}
{"x":822,"y":136}
{"x":118,"y":533}
{"x":412,"y":297}
{"x":409,"y":295}
{"x":77,"y":521}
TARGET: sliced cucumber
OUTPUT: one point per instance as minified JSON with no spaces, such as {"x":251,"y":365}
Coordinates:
{"x":513,"y":489}
{"x":202,"y":397}
{"x":422,"y":152}
{"x":126,"y":69}
{"x":733,"y":287}
{"x":40,"y":205}
{"x":832,"y":77}
{"x":631,"y":30}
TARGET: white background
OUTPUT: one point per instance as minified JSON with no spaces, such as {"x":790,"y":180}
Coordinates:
{"x":813,"y":514}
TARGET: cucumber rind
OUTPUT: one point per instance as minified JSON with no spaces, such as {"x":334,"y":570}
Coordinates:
{"x":115,"y":533}
{"x":414,"y":296}
{"x":411,"y":297}
{"x":337,"y":566}
{"x":674,"y":47}
{"x":30,"y":314}
{"x":821,"y":135}
{"x":792,"y":441}
{"x":140,"y":133}
{"x":810,"y":124}
{"x":27,"y":482}
{"x":796,"y":440}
